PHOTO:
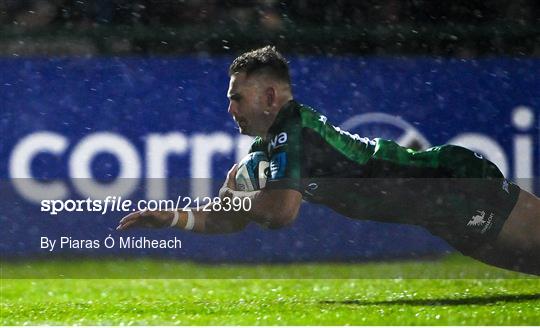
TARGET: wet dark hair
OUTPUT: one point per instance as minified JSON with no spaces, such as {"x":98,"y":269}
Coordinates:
{"x":266,"y":60}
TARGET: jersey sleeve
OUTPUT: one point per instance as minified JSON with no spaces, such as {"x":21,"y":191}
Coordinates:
{"x":284,"y":153}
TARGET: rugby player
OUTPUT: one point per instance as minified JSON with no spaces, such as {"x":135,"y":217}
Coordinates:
{"x":451,"y":191}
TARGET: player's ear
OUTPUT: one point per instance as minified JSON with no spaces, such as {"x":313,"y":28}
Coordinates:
{"x":270,"y":95}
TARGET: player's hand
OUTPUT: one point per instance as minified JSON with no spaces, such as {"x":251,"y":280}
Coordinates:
{"x":146,"y":219}
{"x":230,"y":182}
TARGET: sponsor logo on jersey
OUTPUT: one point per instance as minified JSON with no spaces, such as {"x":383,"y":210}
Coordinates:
{"x":278,"y":140}
{"x":278,"y":163}
{"x":480,"y":221}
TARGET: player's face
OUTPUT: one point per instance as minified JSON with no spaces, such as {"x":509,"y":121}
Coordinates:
{"x":246,"y":104}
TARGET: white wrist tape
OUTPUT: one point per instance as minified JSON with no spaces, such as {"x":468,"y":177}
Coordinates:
{"x":190,"y":221}
{"x":175,"y":218}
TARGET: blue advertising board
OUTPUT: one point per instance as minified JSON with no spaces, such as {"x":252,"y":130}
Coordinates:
{"x":71,"y":126}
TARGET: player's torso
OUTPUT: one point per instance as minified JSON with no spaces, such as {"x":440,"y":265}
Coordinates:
{"x":355,"y":176}
{"x":328,"y":165}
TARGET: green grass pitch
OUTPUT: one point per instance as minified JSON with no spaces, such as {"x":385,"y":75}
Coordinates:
{"x":328,"y":294}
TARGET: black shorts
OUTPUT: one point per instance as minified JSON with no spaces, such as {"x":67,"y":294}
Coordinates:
{"x":466,"y":212}
{"x":477,"y":210}
{"x":472,"y":200}
{"x":463,"y":198}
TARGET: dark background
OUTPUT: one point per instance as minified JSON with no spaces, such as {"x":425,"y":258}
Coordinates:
{"x":463,"y":29}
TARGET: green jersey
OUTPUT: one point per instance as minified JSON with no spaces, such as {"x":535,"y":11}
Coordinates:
{"x":329,"y":165}
{"x":375,"y":178}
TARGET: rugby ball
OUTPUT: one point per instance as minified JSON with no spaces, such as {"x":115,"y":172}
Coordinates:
{"x":252,"y":172}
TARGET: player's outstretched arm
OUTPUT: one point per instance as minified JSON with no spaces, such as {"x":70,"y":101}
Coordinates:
{"x":271,"y":208}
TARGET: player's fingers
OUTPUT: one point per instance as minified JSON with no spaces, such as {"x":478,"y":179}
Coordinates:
{"x":130,"y":220}
{"x":130,"y":216}
{"x":232,"y":172}
{"x":138,"y":222}
{"x":231,"y":177}
{"x":127,"y":225}
{"x":146,"y":219}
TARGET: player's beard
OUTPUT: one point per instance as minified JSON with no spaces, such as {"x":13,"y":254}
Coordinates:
{"x":243,"y":125}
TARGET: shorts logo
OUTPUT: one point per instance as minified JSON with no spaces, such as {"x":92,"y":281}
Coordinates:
{"x":479,"y":220}
{"x":311,"y":188}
